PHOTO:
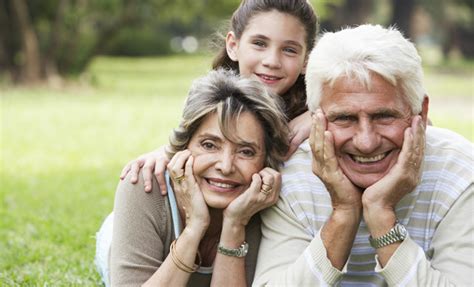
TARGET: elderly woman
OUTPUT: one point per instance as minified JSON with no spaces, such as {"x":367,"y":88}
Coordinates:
{"x":225,"y":153}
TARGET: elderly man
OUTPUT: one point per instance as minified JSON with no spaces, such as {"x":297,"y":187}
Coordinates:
{"x":392,"y":199}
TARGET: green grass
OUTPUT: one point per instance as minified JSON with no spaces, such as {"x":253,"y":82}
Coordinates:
{"x":62,"y":151}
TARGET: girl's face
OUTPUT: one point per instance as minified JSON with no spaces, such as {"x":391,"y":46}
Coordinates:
{"x":272,"y":48}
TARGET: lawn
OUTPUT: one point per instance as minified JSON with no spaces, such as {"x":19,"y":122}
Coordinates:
{"x":62,"y":150}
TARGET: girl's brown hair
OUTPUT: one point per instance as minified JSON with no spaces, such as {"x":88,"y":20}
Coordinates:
{"x":295,"y":97}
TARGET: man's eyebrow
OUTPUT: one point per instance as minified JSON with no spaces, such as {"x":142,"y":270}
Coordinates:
{"x":386,"y":111}
{"x":335,"y":114}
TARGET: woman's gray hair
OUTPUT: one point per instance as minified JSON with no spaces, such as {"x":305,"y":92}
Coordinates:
{"x":227,"y":94}
{"x":358,"y":52}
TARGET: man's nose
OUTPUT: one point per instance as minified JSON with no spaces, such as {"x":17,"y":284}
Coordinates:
{"x":366,"y":139}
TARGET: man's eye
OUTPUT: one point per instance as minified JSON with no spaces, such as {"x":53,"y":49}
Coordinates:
{"x":344,"y":118}
{"x":383,"y":116}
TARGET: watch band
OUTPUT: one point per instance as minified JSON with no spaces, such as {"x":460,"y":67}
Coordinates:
{"x":396,"y":234}
{"x":234,"y":252}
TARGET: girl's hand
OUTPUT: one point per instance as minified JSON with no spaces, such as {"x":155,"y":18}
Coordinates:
{"x":188,"y":195}
{"x":152,"y":163}
{"x":262,"y":193}
{"x":300,"y":128}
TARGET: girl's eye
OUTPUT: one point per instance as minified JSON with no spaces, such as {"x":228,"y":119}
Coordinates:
{"x":259,"y":43}
{"x":290,"y":50}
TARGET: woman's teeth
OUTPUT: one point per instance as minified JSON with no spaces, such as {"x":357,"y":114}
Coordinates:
{"x":221,"y":184}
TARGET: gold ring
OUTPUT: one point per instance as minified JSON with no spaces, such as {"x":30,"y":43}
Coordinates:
{"x":265,"y":192}
{"x":266,"y":185}
{"x":178,"y":179}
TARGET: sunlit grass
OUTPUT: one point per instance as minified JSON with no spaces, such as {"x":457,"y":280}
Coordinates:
{"x":62,"y":151}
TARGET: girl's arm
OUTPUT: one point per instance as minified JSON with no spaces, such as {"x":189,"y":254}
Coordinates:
{"x":300,"y":128}
{"x":151,"y":163}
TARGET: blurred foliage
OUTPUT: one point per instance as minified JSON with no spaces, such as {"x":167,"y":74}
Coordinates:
{"x":60,"y":37}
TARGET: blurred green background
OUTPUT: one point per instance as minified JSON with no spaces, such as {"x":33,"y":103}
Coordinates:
{"x":86,"y":86}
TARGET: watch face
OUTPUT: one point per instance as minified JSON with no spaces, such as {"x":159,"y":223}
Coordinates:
{"x":245,"y":249}
{"x":401,"y":231}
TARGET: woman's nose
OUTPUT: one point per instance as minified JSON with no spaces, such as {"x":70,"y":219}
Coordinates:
{"x":225,"y":162}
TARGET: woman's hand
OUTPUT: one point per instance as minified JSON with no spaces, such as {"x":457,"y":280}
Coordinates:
{"x":300,"y":128}
{"x":152,"y":163}
{"x":262,"y":193}
{"x":188,"y":194}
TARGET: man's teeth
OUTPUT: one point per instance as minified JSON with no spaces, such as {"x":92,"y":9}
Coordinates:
{"x":221,"y":184}
{"x":364,"y":159}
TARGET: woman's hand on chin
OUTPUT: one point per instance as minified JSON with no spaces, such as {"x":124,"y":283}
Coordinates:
{"x":262,"y":193}
{"x":189,"y":197}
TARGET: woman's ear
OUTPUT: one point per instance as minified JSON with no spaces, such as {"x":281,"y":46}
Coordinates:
{"x":231,"y":45}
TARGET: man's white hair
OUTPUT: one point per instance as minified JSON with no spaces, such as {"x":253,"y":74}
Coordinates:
{"x":358,"y":52}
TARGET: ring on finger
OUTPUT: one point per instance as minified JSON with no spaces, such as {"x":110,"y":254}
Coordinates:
{"x":267,"y":186}
{"x":266,"y":191}
{"x":178,"y":179}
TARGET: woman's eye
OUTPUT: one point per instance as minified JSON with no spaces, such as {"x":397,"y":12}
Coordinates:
{"x":247,"y":152}
{"x":208,"y":145}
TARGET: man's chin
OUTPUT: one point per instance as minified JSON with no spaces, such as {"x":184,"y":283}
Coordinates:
{"x":364,"y":181}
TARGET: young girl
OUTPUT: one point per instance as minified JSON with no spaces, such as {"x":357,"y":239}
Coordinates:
{"x":270,"y":40}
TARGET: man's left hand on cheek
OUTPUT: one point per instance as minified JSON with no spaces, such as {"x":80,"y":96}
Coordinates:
{"x":404,"y":176}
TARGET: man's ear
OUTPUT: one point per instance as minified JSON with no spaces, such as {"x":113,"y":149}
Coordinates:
{"x":231,"y":45}
{"x":424,"y":110}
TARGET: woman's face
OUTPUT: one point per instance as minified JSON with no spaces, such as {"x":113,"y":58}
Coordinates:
{"x":224,"y":169}
{"x":272,"y":48}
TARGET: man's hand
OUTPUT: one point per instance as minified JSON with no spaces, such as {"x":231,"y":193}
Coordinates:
{"x":402,"y":178}
{"x":339,"y":231}
{"x":380,"y":199}
{"x":344,"y":194}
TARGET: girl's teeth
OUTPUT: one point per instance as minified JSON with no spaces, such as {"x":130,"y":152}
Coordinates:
{"x":363,"y":159}
{"x":269,"y":78}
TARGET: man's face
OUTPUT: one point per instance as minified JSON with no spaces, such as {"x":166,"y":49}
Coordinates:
{"x":367,"y":125}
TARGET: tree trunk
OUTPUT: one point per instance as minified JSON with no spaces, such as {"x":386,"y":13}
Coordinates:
{"x":31,"y":64}
{"x":50,"y":59}
{"x":350,"y":13}
{"x":402,"y":12}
